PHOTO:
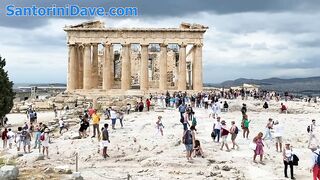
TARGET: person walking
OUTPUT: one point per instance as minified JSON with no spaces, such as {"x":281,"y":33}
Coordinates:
{"x":44,"y":138}
{"x":268,"y":130}
{"x":259,"y":147}
{"x":4,"y":137}
{"x":62,"y":126}
{"x":105,"y":140}
{"x":148,"y":103}
{"x":113,"y":117}
{"x":11,"y":138}
{"x":278,"y":131}
{"x":234,"y":132}
{"x":245,"y":126}
{"x":188,"y":140}
{"x":217,"y":129}
{"x":95,"y":124}
{"x":159,"y":125}
{"x":224,"y":135}
{"x":315,"y":162}
{"x":288,"y":160}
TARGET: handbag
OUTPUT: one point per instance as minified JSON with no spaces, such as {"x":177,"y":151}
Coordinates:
{"x":295,"y":160}
{"x":213,"y":135}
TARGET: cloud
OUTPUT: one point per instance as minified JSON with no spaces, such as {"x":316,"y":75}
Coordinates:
{"x":251,"y":41}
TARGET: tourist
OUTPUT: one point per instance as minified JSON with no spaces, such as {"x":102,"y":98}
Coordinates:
{"x":159,"y":125}
{"x":283,"y":109}
{"x":140,"y":106}
{"x":259,"y":147}
{"x":120,"y":116}
{"x":215,"y":110}
{"x":268,"y":130}
{"x":95,"y":123}
{"x":26,"y":140}
{"x":105,"y":141}
{"x":197,"y":150}
{"x":44,"y":138}
{"x":234,"y":132}
{"x":128,"y":108}
{"x":84,"y":124}
{"x":216,"y":129}
{"x":244,"y":109}
{"x":189,"y":112}
{"x":315,"y":160}
{"x":62,"y":125}
{"x":31,"y":129}
{"x":18,"y":138}
{"x":245,"y":126}
{"x":278,"y":131}
{"x":11,"y":138}
{"x":37,"y":142}
{"x":148,"y":103}
{"x":182,"y":110}
{"x":194,"y":120}
{"x":113,"y":117}
{"x":313,"y":134}
{"x":225,"y":106}
{"x":185,"y":123}
{"x":4,"y":136}
{"x":288,"y":160}
{"x":224,"y":135}
{"x":187,"y":140}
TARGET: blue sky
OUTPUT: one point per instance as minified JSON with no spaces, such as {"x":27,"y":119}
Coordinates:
{"x":248,"y":38}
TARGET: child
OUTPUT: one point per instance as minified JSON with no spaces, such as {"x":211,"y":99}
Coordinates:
{"x":160,"y":125}
{"x":197,"y":149}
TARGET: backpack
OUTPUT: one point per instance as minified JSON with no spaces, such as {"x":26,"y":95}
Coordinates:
{"x":42,"y":137}
{"x":309,"y":128}
{"x":295,"y":160}
{"x":236,"y":131}
{"x":318,"y":159}
{"x":23,"y":135}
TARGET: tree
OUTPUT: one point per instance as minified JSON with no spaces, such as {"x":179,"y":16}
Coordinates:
{"x":6,"y":91}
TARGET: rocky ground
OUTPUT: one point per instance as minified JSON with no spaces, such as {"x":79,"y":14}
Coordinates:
{"x":137,"y":151}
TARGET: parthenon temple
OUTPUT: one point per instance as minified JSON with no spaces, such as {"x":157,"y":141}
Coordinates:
{"x":125,"y":59}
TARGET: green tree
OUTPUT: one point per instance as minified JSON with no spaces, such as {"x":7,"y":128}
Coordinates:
{"x":6,"y":92}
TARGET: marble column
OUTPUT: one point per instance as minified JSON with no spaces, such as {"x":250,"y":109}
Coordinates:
{"x":80,"y":66}
{"x":107,"y":73}
{"x":182,"y":84}
{"x":163,"y":67}
{"x":95,"y":68}
{"x":72,"y":70}
{"x":197,"y":76}
{"x":144,"y":81}
{"x":112,"y":65}
{"x":125,"y":67}
{"x":87,"y":67}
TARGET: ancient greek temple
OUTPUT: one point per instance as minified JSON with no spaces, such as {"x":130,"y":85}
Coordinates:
{"x":144,"y":59}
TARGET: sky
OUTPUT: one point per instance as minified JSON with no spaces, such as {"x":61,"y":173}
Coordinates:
{"x":245,"y":39}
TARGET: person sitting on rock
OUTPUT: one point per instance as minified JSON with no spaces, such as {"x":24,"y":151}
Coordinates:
{"x":283,"y":108}
{"x":197,"y":150}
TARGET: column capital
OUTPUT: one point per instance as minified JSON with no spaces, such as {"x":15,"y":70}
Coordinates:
{"x":107,"y":44}
{"x":144,"y":44}
{"x":183,"y":45}
{"x":198,"y":44}
{"x":163,"y":44}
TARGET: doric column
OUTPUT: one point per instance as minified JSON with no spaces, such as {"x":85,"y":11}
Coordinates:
{"x":163,"y":67}
{"x":125,"y":67}
{"x":197,"y":76}
{"x":112,"y":65}
{"x":106,"y":84}
{"x":72,"y":70}
{"x":80,"y":66}
{"x":144,"y":82}
{"x":87,"y":67}
{"x":95,"y":70}
{"x":182,"y":84}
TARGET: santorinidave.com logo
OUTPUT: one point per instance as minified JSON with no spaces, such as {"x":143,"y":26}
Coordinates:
{"x":70,"y":10}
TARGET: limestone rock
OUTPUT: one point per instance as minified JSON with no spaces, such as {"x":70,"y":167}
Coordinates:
{"x":9,"y":172}
{"x":63,"y":170}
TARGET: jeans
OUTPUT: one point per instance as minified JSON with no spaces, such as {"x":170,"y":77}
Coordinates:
{"x":217,"y":132}
{"x":286,"y":163}
{"x":96,"y":128}
{"x":268,"y":134}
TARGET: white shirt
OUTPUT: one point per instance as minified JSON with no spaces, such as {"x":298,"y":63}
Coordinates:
{"x":10,"y":135}
{"x":278,"y":130}
{"x":217,"y":125}
{"x":113,"y":114}
{"x":61,"y":123}
{"x":314,"y":157}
